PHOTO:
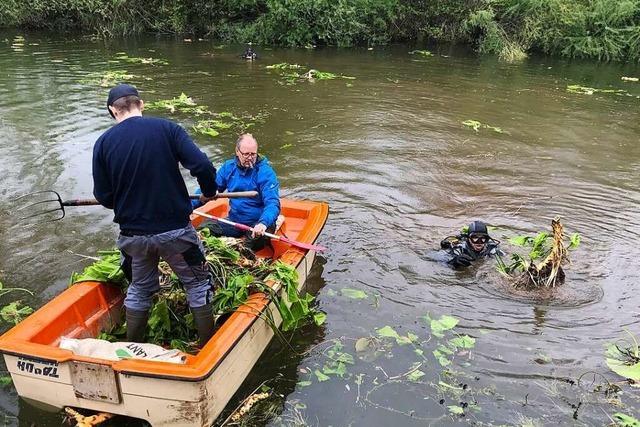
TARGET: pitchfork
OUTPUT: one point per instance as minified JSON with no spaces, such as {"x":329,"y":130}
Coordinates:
{"x":54,"y":197}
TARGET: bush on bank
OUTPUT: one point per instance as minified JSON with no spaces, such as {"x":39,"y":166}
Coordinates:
{"x":601,"y":29}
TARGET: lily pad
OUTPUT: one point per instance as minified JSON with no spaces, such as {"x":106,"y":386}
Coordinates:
{"x":321,"y":377}
{"x":415,"y":375}
{"x":455,"y":410}
{"x":353,"y":293}
{"x":439,"y":326}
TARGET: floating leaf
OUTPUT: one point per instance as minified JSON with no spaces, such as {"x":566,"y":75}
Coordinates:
{"x":421,"y":52}
{"x":455,"y":410}
{"x":415,"y":375}
{"x":364,"y":344}
{"x":5,"y":380}
{"x":285,"y":146}
{"x":353,"y":293}
{"x":321,"y":377}
{"x":443,"y":324}
{"x":624,"y":420}
{"x":387,"y":332}
{"x":463,"y":341}
{"x":15,"y":312}
{"x":304,"y":383}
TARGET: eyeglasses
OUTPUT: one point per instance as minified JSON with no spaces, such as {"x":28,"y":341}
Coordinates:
{"x":479,"y":239}
{"x":247,"y":155}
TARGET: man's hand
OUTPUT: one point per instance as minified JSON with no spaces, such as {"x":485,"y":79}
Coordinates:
{"x":258,"y":230}
{"x":204,"y":199}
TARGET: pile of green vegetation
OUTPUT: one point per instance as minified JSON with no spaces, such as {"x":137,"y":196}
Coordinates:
{"x":214,"y":123}
{"x":290,"y":74}
{"x":601,"y":29}
{"x":547,"y":254}
{"x":236,"y":277}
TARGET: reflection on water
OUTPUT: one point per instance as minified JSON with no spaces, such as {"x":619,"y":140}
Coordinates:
{"x":389,"y":153}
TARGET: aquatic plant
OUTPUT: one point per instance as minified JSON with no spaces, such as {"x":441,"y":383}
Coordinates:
{"x":138,"y":60}
{"x":236,"y":278}
{"x":109,"y":78}
{"x":526,"y":273}
{"x":623,"y":420}
{"x":291,"y":77}
{"x":421,"y":53}
{"x":183,"y":104}
{"x":590,"y":90}
{"x":623,"y":358}
{"x":476,"y":126}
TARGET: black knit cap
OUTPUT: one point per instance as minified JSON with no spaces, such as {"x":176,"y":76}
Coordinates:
{"x":118,"y":92}
{"x":478,"y":227}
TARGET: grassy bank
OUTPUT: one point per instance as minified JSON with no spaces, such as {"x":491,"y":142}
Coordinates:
{"x":600,"y":29}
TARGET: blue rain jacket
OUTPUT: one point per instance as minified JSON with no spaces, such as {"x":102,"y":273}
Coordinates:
{"x":250,"y":211}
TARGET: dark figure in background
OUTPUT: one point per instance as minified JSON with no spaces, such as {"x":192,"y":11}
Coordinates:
{"x":136,"y":173}
{"x":470,"y":246}
{"x":249,"y":54}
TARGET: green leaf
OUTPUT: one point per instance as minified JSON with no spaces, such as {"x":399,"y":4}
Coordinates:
{"x":388,"y":332}
{"x":520,"y":240}
{"x":304,"y":383}
{"x":15,"y":312}
{"x":575,"y":241}
{"x":364,"y":344}
{"x":353,"y":293}
{"x":412,"y":337}
{"x":443,"y":324}
{"x":441,"y":358}
{"x":415,"y":375}
{"x":319,"y":318}
{"x":5,"y":380}
{"x":624,"y":420}
{"x":463,"y":341}
{"x":455,"y":410}
{"x":321,"y":377}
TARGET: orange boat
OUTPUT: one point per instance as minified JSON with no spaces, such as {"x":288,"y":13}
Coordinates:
{"x":164,"y":394}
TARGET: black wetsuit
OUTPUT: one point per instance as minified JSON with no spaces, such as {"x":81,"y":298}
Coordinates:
{"x":462,"y":255}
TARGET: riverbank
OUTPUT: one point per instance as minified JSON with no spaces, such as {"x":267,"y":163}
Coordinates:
{"x":606,"y":30}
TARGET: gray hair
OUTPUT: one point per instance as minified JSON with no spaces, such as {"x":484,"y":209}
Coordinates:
{"x":242,"y":137}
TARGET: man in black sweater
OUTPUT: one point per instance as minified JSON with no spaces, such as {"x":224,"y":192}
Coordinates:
{"x":136,"y":173}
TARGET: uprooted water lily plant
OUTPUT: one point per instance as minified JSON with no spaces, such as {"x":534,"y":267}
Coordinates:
{"x":542,"y":267}
{"x":236,"y":279}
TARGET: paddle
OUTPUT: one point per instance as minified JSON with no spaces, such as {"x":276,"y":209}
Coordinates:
{"x":61,"y":204}
{"x":271,"y":236}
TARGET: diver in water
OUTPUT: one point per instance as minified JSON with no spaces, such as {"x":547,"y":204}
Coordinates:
{"x":470,"y":246}
{"x":249,"y":54}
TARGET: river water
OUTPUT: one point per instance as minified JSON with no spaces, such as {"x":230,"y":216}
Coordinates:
{"x":389,"y":153}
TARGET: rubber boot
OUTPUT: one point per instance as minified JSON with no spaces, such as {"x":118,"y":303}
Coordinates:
{"x":203,"y":318}
{"x":136,"y":325}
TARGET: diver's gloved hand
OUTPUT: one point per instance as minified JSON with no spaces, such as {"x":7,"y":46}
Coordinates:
{"x":196,"y":203}
{"x":461,"y":261}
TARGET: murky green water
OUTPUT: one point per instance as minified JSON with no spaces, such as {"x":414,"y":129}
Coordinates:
{"x":389,"y":154}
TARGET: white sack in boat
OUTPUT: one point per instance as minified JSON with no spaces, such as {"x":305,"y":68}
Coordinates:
{"x":102,"y":349}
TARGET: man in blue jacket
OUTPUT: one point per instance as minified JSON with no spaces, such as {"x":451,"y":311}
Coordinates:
{"x":136,"y":173}
{"x":248,"y":171}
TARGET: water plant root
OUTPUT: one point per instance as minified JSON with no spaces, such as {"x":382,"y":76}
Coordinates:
{"x":548,"y":273}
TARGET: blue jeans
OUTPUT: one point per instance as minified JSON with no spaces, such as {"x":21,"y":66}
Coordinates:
{"x":181,"y":249}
